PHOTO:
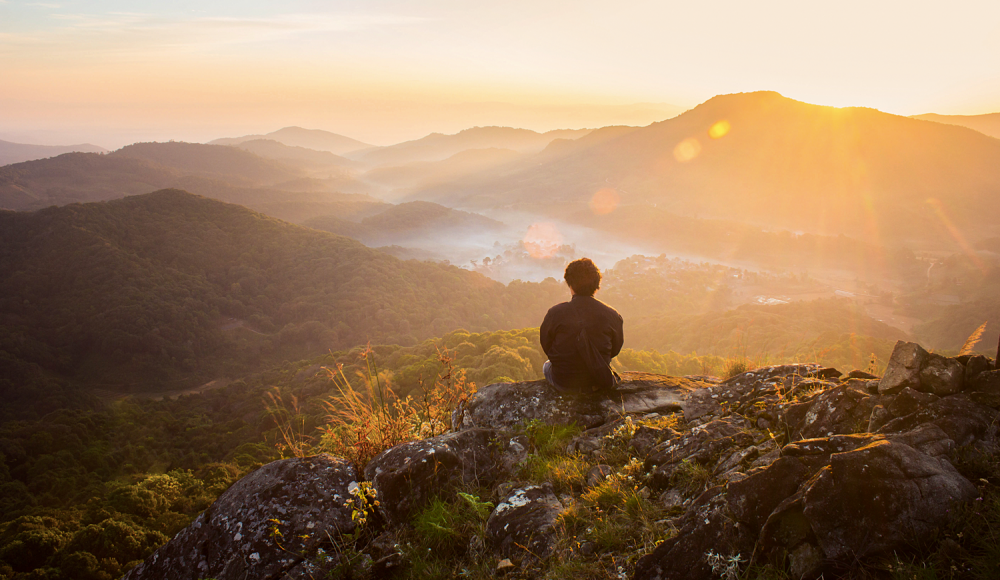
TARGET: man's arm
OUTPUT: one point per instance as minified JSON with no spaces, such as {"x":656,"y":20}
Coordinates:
{"x":618,"y":340}
{"x":546,"y":333}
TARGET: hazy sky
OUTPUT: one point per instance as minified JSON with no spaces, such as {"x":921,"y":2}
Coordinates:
{"x":113,"y":72}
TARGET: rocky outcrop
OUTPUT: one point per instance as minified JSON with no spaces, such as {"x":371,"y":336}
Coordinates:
{"x":836,"y":492}
{"x":507,"y":406}
{"x":265,"y":526}
{"x":795,"y":465}
{"x":408,"y":475}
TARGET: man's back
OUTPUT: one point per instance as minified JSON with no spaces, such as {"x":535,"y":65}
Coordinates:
{"x":560,"y":332}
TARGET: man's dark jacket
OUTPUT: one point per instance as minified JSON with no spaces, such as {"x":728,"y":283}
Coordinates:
{"x":560,"y":332}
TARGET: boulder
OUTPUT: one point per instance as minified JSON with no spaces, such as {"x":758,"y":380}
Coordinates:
{"x":903,"y":369}
{"x":303,"y":499}
{"x":860,"y":374}
{"x":962,"y":419}
{"x":985,"y":388}
{"x":752,"y":500}
{"x":523,"y":525}
{"x":708,"y":526}
{"x":704,"y":444}
{"x":941,"y":375}
{"x":843,"y":409}
{"x":881,"y":497}
{"x":508,"y":406}
{"x":909,"y":401}
{"x":408,"y":475}
{"x":646,"y":438}
{"x":975,"y":365}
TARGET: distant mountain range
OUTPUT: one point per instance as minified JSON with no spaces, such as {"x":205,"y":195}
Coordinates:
{"x":988,"y":124}
{"x":303,"y":157}
{"x":19,"y":152}
{"x":316,"y":139}
{"x":437,"y":147}
{"x":765,"y":159}
{"x":227,"y":173}
{"x":417,"y":174}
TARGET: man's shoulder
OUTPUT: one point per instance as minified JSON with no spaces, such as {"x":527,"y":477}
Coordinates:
{"x":559,"y":308}
{"x":611,"y":311}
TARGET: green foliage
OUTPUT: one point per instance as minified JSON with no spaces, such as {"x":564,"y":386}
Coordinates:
{"x":547,"y":439}
{"x":445,"y":527}
{"x":690,"y":477}
{"x":564,"y":473}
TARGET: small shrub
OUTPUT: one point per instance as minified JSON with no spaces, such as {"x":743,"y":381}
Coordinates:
{"x":549,"y":440}
{"x":736,"y":366}
{"x":690,"y":477}
{"x":445,"y":527}
{"x":565,"y":473}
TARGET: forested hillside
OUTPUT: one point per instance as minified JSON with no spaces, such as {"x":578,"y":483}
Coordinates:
{"x":166,"y":287}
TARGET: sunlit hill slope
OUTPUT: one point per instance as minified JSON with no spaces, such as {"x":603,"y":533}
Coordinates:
{"x":768,"y":159}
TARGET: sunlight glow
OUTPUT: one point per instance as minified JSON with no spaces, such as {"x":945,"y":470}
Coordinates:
{"x":687,"y":150}
{"x":719,"y":130}
{"x":955,"y":233}
{"x":604,"y":201}
{"x":542,"y":240}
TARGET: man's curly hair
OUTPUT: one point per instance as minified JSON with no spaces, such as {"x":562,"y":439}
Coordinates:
{"x":583,"y":277}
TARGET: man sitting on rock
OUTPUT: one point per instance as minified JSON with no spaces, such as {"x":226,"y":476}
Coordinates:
{"x":581,"y":336}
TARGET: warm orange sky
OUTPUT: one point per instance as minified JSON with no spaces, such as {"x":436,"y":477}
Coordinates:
{"x":113,"y":72}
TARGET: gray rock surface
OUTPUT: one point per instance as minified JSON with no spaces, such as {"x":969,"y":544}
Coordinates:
{"x":941,"y":375}
{"x":407,"y":476}
{"x":523,"y":525}
{"x":842,"y":409}
{"x":304,"y":499}
{"x":985,"y":388}
{"x":903,"y":369}
{"x":879,"y":497}
{"x":507,"y":406}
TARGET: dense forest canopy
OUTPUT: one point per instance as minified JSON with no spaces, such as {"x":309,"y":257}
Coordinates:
{"x":152,"y":288}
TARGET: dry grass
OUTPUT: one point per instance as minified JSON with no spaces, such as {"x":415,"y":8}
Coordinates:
{"x":361,"y":423}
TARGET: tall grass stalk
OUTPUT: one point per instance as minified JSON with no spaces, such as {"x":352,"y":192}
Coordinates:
{"x":291,"y":424}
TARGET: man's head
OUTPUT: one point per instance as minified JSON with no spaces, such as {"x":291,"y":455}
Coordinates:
{"x":583,"y":277}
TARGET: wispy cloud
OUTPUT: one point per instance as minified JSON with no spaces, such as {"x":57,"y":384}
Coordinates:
{"x":132,"y":32}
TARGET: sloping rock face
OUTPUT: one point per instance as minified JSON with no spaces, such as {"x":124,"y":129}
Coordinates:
{"x":875,"y":498}
{"x":408,"y":475}
{"x":304,"y":499}
{"x":506,"y":406}
{"x":837,"y":491}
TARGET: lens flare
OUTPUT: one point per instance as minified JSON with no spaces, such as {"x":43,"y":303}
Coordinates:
{"x":955,"y":233}
{"x":687,"y":150}
{"x":542,"y":240}
{"x":719,"y":129}
{"x":604,"y":201}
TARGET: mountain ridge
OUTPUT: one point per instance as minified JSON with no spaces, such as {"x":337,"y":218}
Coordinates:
{"x":20,"y":152}
{"x":316,"y":139}
{"x":795,"y":165}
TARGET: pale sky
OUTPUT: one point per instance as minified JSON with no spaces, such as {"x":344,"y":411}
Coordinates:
{"x":112,"y":72}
